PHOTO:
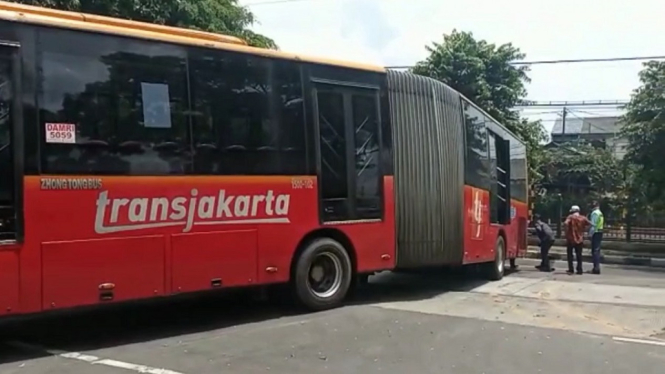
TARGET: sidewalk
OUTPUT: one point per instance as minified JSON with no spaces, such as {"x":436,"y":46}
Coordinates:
{"x":614,"y":257}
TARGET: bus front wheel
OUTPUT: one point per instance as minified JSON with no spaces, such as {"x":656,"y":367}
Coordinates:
{"x":323,"y":274}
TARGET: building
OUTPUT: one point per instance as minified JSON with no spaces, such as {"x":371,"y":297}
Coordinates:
{"x":599,"y":131}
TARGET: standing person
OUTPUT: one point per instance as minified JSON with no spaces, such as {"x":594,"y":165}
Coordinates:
{"x":546,"y":237}
{"x":596,"y":233}
{"x":576,"y":225}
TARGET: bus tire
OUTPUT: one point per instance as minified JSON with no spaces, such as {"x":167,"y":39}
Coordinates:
{"x":496,"y":268}
{"x":323,"y":275}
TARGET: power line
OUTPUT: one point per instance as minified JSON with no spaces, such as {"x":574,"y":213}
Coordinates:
{"x":585,"y":103}
{"x":566,"y":61}
{"x":538,"y":112}
{"x":596,"y":114}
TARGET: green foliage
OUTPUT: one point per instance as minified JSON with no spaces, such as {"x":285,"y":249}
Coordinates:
{"x":533,"y":134}
{"x":577,"y":174}
{"x":644,"y":127}
{"x":579,"y":168}
{"x":221,"y":16}
{"x":482,"y":72}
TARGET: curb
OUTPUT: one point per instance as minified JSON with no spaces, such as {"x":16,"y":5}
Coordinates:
{"x":604,"y":259}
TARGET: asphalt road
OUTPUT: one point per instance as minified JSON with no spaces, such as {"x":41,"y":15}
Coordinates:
{"x":529,"y":322}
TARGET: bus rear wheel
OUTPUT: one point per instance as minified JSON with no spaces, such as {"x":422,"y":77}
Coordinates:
{"x":496,"y":269}
{"x":323,"y":275}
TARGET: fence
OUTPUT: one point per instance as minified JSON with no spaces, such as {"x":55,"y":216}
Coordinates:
{"x":620,"y":224}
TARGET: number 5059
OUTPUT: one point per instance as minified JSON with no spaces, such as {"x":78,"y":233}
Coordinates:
{"x":60,"y":135}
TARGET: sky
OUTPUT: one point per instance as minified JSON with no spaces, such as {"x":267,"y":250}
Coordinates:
{"x":395,"y":32}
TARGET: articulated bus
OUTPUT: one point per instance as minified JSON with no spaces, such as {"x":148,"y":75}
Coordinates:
{"x":141,"y":161}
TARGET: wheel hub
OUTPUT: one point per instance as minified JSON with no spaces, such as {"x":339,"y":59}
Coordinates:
{"x":317,"y":273}
{"x":325,"y":275}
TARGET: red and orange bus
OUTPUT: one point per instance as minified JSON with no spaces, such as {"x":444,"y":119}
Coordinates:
{"x":143,"y":161}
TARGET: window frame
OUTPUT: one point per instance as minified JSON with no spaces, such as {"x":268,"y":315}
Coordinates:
{"x":274,"y":108}
{"x":136,"y":44}
{"x":473,"y":177}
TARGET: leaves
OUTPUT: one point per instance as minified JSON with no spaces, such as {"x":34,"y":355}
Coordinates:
{"x":482,"y":72}
{"x":644,"y":127}
{"x":579,"y":165}
{"x":221,"y":16}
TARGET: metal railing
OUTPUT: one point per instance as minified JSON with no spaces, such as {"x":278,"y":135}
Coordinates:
{"x":651,"y":230}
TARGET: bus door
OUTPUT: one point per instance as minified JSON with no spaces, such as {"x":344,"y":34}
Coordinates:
{"x":11,"y":180}
{"x":348,"y":152}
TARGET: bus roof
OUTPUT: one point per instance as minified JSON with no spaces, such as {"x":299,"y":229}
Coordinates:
{"x":109,"y":25}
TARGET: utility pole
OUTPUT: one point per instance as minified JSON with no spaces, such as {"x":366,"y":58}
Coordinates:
{"x":563,"y":122}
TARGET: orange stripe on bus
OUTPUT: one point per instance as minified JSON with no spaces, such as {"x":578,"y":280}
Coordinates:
{"x":162,"y":180}
{"x":87,"y":22}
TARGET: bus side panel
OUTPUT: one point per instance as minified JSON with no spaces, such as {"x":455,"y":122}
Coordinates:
{"x":374,"y":242}
{"x":388,"y":239}
{"x":74,"y":271}
{"x":479,"y":235}
{"x":427,"y":132}
{"x":9,"y":279}
{"x":214,"y":259}
{"x":233,"y":228}
{"x":30,"y":264}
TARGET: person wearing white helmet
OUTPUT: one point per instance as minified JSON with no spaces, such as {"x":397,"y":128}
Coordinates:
{"x":575,"y":225}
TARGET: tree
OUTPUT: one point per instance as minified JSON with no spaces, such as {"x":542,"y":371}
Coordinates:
{"x":582,"y":170}
{"x":644,"y":127}
{"x":482,"y":72}
{"x":221,"y":16}
{"x":577,"y":173}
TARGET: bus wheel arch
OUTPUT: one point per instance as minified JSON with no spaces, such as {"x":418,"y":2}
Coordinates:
{"x":329,"y":249}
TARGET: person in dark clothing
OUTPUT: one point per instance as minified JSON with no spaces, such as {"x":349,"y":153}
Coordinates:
{"x":576,"y":225}
{"x":546,"y":238}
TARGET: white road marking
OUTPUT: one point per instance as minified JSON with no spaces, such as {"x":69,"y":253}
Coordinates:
{"x":639,"y":341}
{"x":93,"y":360}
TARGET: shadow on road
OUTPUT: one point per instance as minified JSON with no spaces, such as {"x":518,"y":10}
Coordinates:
{"x":122,"y":324}
{"x":387,"y":287}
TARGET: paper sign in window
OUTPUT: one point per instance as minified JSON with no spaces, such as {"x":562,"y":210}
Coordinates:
{"x":60,"y":133}
{"x":156,"y":105}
